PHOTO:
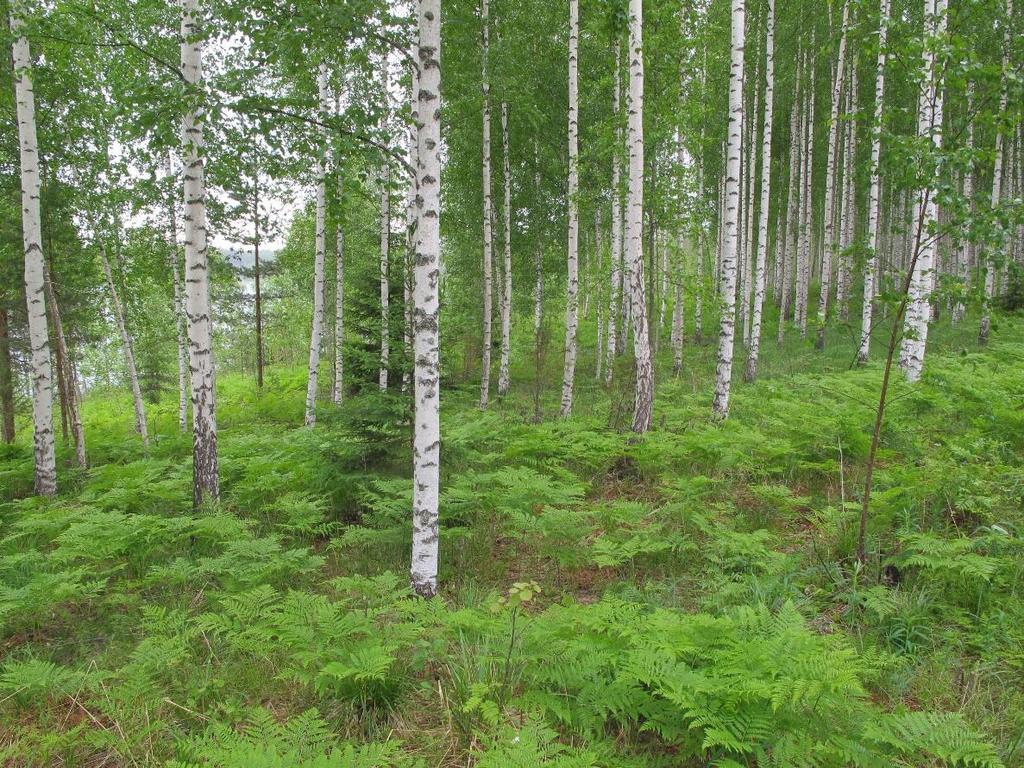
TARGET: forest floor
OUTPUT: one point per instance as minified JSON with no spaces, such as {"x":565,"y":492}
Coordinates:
{"x":686,"y":598}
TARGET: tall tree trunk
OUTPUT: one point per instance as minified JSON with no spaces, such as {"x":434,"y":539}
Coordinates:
{"x":644,"y":403}
{"x":747,"y":245}
{"x":6,"y":381}
{"x":42,"y":387}
{"x":538,"y":255}
{"x":617,"y":325}
{"x":727,"y":334}
{"x":830,"y":184}
{"x":874,"y":240}
{"x":126,"y":344}
{"x":485,"y":365}
{"x":427,"y":271}
{"x":179,"y":299}
{"x":766,"y":177}
{"x":256,"y":276}
{"x":506,"y":296}
{"x":929,"y":126}
{"x":65,"y":374}
{"x":410,"y":230}
{"x":385,"y":276}
{"x":614,"y":332}
{"x":849,"y":220}
{"x":807,"y":207}
{"x":320,"y":246}
{"x":572,"y":309}
{"x":997,"y":173}
{"x":963,"y":246}
{"x":205,"y":476}
{"x":338,"y":390}
{"x":598,"y":282}
{"x":789,"y":250}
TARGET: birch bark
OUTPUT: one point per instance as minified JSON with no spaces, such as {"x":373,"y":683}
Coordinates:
{"x":506,"y":295}
{"x":427,"y":272}
{"x":572,"y":309}
{"x":727,"y":334}
{"x":205,"y":476}
{"x":316,"y":334}
{"x":485,"y":366}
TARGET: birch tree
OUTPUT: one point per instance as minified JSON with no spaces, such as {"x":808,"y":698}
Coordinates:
{"x":205,"y":476}
{"x":126,"y":347}
{"x":830,"y":182}
{"x":427,"y":271}
{"x":929,"y":126}
{"x":338,"y":390}
{"x":750,"y":372}
{"x":385,"y":275}
{"x":316,"y":334}
{"x":727,"y":334}
{"x":572,"y":309}
{"x":963,"y":246}
{"x":644,"y":403}
{"x":615,"y":289}
{"x":874,"y":240}
{"x":485,"y":365}
{"x":506,"y":295}
{"x":41,"y":372}
{"x":997,"y":174}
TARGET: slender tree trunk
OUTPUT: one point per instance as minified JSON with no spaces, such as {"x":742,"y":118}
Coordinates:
{"x":206,"y":481}
{"x":385,"y":276}
{"x":963,"y":247}
{"x":807,"y":217}
{"x":997,"y":173}
{"x":598,"y":282}
{"x":850,"y":198}
{"x":930,"y":108}
{"x":427,"y":272}
{"x":126,"y":344}
{"x":766,"y":176}
{"x":727,"y":334}
{"x":830,"y":184}
{"x":320,"y":246}
{"x":874,"y":197}
{"x":179,"y":299}
{"x":6,"y":381}
{"x":65,"y":374}
{"x":506,"y":297}
{"x":746,"y":249}
{"x":42,"y":387}
{"x":538,"y":257}
{"x":615,"y":289}
{"x":788,"y":253}
{"x":338,"y":390}
{"x":485,"y":367}
{"x":256,"y":275}
{"x":572,"y":309}
{"x":644,"y":403}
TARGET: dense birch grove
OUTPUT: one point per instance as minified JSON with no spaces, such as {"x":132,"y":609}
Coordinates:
{"x":605,"y":223}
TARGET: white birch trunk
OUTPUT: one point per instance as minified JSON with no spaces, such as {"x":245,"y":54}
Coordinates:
{"x":601,"y":320}
{"x":874,"y":240}
{"x":385,"y":276}
{"x":179,"y":300}
{"x":35,"y":295}
{"x":410,"y":233}
{"x":538,"y":255}
{"x":930,"y":109}
{"x":615,"y":289}
{"x":997,"y":173}
{"x":485,"y":366}
{"x":830,"y":183}
{"x":506,"y":295}
{"x":747,"y":245}
{"x":849,"y":195}
{"x":572,"y":309}
{"x":316,"y":334}
{"x":644,"y":403}
{"x":338,"y":390}
{"x":806,"y":202}
{"x":963,"y":246}
{"x":788,"y":251}
{"x":206,"y":480}
{"x":126,"y":345}
{"x":427,"y":273}
{"x":727,"y":334}
{"x":766,"y":175}
{"x":66,"y":373}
